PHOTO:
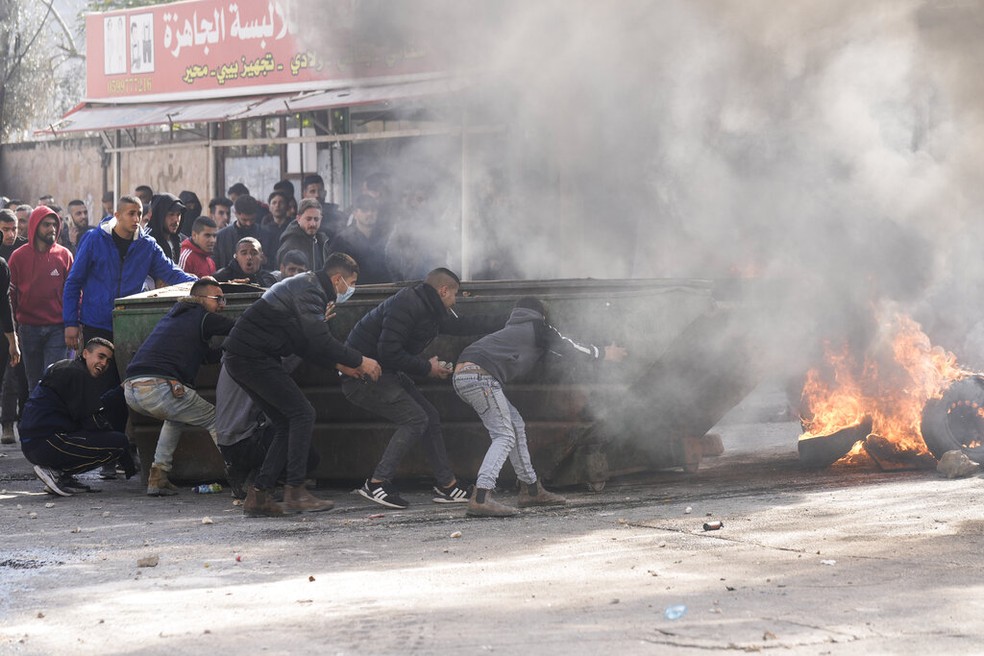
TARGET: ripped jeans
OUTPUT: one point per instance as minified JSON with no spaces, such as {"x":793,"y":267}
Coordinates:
{"x":504,"y":424}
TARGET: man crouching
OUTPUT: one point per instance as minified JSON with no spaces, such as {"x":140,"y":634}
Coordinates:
{"x":72,"y":423}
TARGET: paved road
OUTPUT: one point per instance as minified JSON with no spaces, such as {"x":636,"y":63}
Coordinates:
{"x":835,"y":562}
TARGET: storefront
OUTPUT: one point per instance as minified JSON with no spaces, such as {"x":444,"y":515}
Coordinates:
{"x":202,"y":94}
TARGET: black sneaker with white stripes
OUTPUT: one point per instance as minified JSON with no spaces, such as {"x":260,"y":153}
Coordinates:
{"x":50,"y":478}
{"x":383,"y":493}
{"x":453,"y":493}
{"x":72,"y":484}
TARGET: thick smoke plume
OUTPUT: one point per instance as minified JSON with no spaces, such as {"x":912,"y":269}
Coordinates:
{"x":830,"y":145}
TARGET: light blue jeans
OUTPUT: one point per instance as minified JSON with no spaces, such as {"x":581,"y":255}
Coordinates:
{"x":504,"y":424}
{"x":153,"y":397}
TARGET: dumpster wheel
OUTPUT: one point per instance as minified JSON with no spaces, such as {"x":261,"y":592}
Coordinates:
{"x":596,"y":486}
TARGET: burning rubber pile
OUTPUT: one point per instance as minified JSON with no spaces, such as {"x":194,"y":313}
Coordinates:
{"x":901,"y":405}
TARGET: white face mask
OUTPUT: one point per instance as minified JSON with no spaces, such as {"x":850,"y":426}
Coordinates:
{"x":346,"y":295}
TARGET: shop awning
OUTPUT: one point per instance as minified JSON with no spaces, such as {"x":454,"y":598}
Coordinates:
{"x":90,"y":117}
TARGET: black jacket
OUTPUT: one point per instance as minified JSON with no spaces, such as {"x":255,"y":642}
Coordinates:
{"x":397,"y":330}
{"x":170,"y":244}
{"x":293,"y":238}
{"x":179,"y":344}
{"x":229,"y":236}
{"x":289,"y":319}
{"x":370,"y":254}
{"x":63,"y":401}
{"x":233,"y":271}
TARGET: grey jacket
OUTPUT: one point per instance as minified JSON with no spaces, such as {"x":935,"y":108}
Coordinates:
{"x":514,"y":350}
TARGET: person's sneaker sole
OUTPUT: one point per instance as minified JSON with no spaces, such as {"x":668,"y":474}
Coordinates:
{"x":50,"y":481}
{"x":382,"y":502}
{"x":446,"y":500}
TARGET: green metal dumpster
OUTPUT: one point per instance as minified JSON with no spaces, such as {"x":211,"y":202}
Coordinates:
{"x":584,"y":422}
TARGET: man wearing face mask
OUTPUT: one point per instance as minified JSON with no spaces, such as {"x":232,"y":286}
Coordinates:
{"x":290,"y":319}
{"x":396,"y":332}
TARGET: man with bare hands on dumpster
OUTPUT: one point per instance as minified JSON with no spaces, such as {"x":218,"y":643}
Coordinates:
{"x":483,"y":368}
{"x":290,"y":318}
{"x":397,"y":331}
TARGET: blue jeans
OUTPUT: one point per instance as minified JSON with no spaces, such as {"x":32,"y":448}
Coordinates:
{"x":40,"y":346}
{"x":396,"y":398}
{"x":153,"y":397}
{"x":504,"y":424}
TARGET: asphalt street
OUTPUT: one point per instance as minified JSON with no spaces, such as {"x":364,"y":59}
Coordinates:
{"x":841,"y":561}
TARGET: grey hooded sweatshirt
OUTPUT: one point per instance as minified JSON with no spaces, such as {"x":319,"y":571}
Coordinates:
{"x":514,"y":350}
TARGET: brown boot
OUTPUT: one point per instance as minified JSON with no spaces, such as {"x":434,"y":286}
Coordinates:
{"x":259,"y":504}
{"x":534,"y":495}
{"x":481,"y":504}
{"x":298,"y":499}
{"x":157,"y":483}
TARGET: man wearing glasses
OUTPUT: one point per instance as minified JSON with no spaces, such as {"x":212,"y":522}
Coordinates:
{"x":161,"y":376}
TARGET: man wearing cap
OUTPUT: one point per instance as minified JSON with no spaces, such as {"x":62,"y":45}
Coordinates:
{"x":37,"y":281}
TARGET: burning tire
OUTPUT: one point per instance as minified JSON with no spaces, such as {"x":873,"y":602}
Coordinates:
{"x":956,"y":421}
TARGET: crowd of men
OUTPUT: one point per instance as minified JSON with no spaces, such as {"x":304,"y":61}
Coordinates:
{"x":70,"y":404}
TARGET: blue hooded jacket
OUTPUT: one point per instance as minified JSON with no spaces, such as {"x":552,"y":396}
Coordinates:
{"x":101,"y":276}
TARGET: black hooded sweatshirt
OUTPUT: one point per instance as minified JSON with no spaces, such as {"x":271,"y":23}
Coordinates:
{"x":170,"y":244}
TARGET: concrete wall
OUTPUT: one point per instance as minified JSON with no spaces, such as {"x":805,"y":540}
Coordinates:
{"x":66,"y":169}
{"x":73,"y":168}
{"x":170,"y":170}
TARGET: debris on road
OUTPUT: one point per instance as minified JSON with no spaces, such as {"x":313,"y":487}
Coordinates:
{"x":675,"y":612}
{"x":148,"y":561}
{"x":956,"y":464}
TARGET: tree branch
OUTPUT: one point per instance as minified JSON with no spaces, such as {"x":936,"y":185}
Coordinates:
{"x":27,"y":48}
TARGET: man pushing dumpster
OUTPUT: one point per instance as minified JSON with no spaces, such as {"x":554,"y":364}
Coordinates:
{"x":395,"y":332}
{"x":289,"y":319}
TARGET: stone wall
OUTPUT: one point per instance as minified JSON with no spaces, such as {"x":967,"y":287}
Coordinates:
{"x":73,"y":168}
{"x":66,"y":169}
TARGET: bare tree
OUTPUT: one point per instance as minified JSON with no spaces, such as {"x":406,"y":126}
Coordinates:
{"x":40,"y":66}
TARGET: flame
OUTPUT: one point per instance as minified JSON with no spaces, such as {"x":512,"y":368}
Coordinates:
{"x":891,"y":384}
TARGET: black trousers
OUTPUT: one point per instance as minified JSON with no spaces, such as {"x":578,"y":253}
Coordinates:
{"x":80,"y":451}
{"x":248,"y":455}
{"x":291,"y":414}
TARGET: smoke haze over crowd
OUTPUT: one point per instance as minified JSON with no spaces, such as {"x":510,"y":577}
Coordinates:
{"x":830,"y":144}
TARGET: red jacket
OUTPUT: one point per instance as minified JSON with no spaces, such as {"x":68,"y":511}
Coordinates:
{"x":194,"y":260}
{"x":37,"y":280}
